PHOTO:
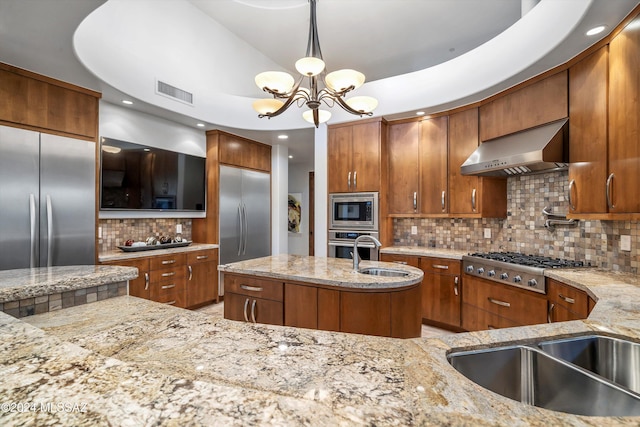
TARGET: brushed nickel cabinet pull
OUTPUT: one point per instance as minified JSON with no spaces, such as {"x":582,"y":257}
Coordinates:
{"x":168,"y":261}
{"x":571,"y":185}
{"x":251,"y":288}
{"x":190,"y":272}
{"x":170,"y":302}
{"x":202,"y":256}
{"x":608,"y":191}
{"x":400,"y":262}
{"x":415,"y":201}
{"x":246,"y":304}
{"x":550,"y":312}
{"x":173,"y":273}
{"x":355,"y":180}
{"x":473,"y":199}
{"x":440,"y":266}
{"x":146,"y":281}
{"x":169,"y":286}
{"x":456,"y":280}
{"x":498,"y":302}
{"x":442,"y":200}
{"x":253,"y":311}
{"x":567,"y":299}
{"x":349,"y":180}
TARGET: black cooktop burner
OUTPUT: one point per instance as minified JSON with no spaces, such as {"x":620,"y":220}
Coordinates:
{"x":528,"y":260}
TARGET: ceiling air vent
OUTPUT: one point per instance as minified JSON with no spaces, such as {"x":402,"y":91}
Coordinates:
{"x":173,"y":92}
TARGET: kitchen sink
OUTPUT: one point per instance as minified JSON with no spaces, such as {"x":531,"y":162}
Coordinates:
{"x":530,"y":375}
{"x":377,"y":271}
{"x":613,"y":358}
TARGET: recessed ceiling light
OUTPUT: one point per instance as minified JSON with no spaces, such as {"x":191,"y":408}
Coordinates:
{"x":283,"y":136}
{"x":419,"y":113}
{"x":126,"y":101}
{"x":200,"y":125}
{"x":596,"y":30}
{"x":290,"y":156}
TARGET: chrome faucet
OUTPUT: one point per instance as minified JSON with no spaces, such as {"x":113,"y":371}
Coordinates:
{"x":355,"y":255}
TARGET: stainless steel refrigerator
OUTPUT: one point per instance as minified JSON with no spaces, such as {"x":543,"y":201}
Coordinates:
{"x":47,"y":200}
{"x":245,"y":214}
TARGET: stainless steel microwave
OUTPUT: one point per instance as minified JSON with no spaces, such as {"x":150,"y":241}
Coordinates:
{"x":353,"y":211}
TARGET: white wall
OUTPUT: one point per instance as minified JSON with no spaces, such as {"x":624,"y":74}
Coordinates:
{"x":299,"y":183}
{"x":320,"y":191}
{"x":279,"y":192}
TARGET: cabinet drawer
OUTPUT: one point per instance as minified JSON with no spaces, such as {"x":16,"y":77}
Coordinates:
{"x":142,"y":264}
{"x":400,"y":259}
{"x":173,"y":273}
{"x":202,"y":256}
{"x":165,"y":261}
{"x":247,"y":308}
{"x":569,"y":297}
{"x":475,"y":319}
{"x":440,"y":265}
{"x":172,"y":295}
{"x":257,"y":288}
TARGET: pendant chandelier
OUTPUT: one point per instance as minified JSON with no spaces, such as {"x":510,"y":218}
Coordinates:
{"x":329,"y":89}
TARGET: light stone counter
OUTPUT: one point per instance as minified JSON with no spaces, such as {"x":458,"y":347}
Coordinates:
{"x":135,"y":362}
{"x":121,"y":255}
{"x":423,"y":251}
{"x":332,"y":272}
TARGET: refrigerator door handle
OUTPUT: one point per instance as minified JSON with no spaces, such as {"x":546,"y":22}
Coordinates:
{"x":49,"y":232}
{"x":32,"y":219}
{"x":246,"y":229}
{"x":241,"y":230}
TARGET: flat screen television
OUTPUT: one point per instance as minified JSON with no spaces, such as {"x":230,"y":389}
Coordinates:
{"x":138,"y":177}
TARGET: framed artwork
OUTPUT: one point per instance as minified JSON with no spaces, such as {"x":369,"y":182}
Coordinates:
{"x":295,"y":213}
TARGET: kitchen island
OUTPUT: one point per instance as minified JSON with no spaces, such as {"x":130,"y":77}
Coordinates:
{"x":128,"y":361}
{"x":325,"y":293}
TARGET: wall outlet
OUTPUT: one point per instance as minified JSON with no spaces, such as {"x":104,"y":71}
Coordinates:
{"x":178,"y":228}
{"x":625,"y":243}
{"x":99,"y":232}
{"x":414,"y":229}
{"x":487,"y":233}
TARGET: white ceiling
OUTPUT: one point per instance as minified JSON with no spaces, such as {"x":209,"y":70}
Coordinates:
{"x":416,"y":54}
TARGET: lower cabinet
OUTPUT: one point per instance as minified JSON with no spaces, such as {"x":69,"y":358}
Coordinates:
{"x":566,"y":302}
{"x":202,"y":278}
{"x":260,"y":300}
{"x":490,"y":305}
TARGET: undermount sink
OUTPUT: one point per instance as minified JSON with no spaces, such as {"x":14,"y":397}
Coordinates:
{"x":551,"y":374}
{"x":388,"y":272}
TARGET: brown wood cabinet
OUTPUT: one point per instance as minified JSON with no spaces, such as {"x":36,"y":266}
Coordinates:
{"x":434,"y":134}
{"x":441,"y":292}
{"x":167,"y":279}
{"x":536,"y":104}
{"x":301,"y":306}
{"x":253,"y":299}
{"x":354,"y":156}
{"x":404,"y":167}
{"x":488,"y":305}
{"x":138,"y":287}
{"x":471,"y":196}
{"x":566,"y":302}
{"x":202,"y":277}
{"x":365,"y":313}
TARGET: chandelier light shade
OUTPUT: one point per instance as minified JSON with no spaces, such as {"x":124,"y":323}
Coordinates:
{"x":328,"y":89}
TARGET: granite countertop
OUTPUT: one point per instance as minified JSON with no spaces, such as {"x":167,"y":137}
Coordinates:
{"x":34,"y":282}
{"x":330,"y":272}
{"x":116,"y":255}
{"x":423,"y":251}
{"x":135,"y":362}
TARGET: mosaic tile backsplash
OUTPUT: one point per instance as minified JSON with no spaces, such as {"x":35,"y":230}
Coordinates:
{"x":117,"y":231}
{"x":595,"y":242}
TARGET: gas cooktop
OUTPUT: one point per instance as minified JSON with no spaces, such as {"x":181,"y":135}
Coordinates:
{"x":514,"y":268}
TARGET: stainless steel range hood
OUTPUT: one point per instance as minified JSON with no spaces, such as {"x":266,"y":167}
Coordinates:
{"x":539,"y":149}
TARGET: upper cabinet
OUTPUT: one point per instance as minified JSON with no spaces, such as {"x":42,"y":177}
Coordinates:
{"x":354,"y":156}
{"x":38,"y":102}
{"x":404,"y":167}
{"x":539,"y":103}
{"x":434,"y":197}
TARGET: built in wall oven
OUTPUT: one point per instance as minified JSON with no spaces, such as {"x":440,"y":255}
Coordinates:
{"x":341,"y":244}
{"x":353,"y":211}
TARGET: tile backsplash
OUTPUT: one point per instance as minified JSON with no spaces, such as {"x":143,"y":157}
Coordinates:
{"x":596,"y":242}
{"x":117,"y":231}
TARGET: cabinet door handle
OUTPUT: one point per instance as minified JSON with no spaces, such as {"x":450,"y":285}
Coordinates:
{"x":440,"y":266}
{"x":567,"y":299}
{"x":246,"y":304}
{"x":251,"y":288}
{"x":456,"y":280}
{"x":33,"y":227}
{"x":253,"y":311}
{"x":349,"y":180}
{"x":572,"y":183}
{"x":190,"y":272}
{"x":355,"y":180}
{"x":169,"y":286}
{"x":170,"y":302}
{"x":168,"y":261}
{"x":173,"y":273}
{"x":443,"y":199}
{"x":550,"y":312}
{"x":415,"y":201}
{"x":400,"y":262}
{"x":608,"y":191}
{"x":202,"y":256}
{"x":146,"y":281}
{"x":473,"y":199}
{"x":498,"y":302}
